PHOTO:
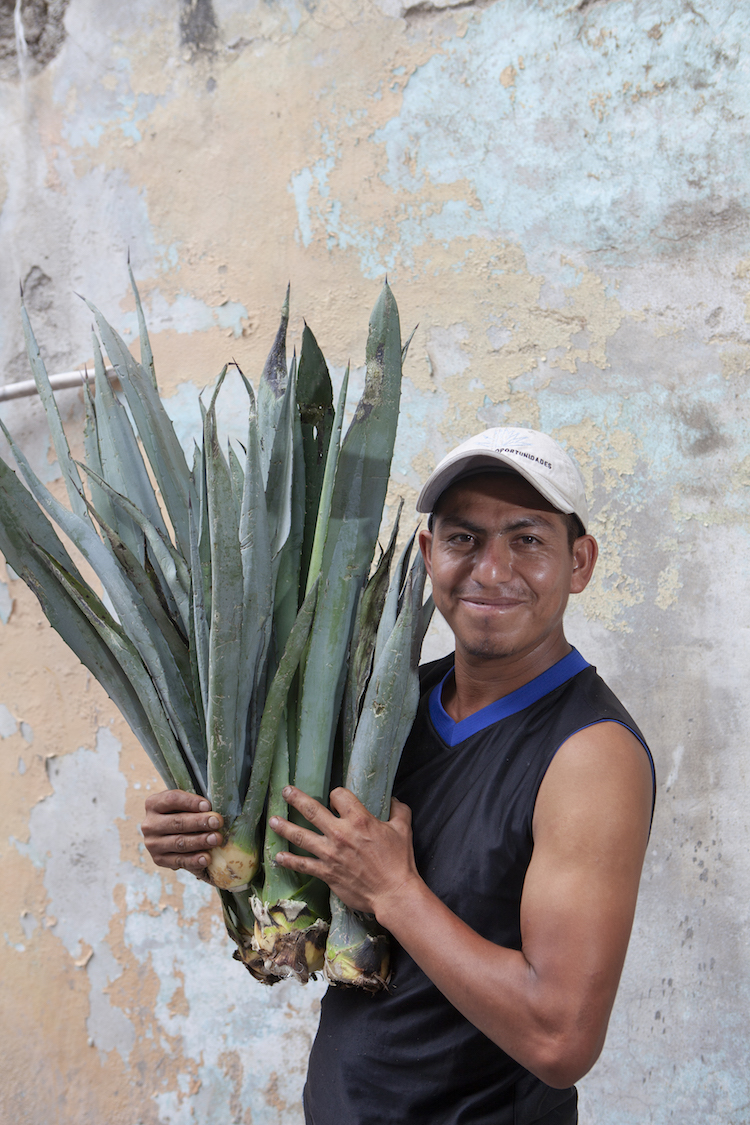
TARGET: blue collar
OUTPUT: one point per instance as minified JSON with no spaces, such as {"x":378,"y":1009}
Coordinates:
{"x":452,"y":733}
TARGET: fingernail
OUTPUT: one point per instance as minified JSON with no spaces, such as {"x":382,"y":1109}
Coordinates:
{"x":203,"y":860}
{"x":204,"y":806}
{"x":213,"y":822}
{"x":273,"y":821}
{"x":286,"y":791}
{"x":212,"y":840}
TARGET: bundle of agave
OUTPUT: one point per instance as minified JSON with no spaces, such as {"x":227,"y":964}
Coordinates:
{"x":231,"y":604}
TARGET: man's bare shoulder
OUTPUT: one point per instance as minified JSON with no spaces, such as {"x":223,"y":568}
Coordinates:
{"x":597,"y":795}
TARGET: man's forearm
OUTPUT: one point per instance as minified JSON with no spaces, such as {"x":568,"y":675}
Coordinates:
{"x":536,"y":1020}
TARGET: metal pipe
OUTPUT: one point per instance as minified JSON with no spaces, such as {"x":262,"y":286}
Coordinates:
{"x":61,"y":382}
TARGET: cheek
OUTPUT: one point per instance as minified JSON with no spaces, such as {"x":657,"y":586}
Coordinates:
{"x":444,"y":579}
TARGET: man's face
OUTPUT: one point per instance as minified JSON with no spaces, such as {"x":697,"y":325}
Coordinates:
{"x":501,"y":566}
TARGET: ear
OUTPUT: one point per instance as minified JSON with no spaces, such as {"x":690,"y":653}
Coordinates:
{"x":425,"y":546}
{"x":585,"y":554}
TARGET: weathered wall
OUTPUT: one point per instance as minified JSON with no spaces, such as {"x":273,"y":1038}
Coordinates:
{"x":559,"y":195}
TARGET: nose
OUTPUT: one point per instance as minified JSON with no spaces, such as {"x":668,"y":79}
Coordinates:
{"x":493,"y":564}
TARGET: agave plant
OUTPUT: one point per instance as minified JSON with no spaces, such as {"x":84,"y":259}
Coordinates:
{"x":232,"y":601}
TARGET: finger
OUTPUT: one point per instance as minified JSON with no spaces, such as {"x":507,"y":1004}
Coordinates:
{"x":301,"y":863}
{"x":180,"y":823}
{"x":344,"y":801}
{"x":295,"y":834}
{"x":196,"y":864}
{"x":400,"y":812}
{"x":184,"y":845}
{"x":312,"y":810}
{"x":177,"y":800}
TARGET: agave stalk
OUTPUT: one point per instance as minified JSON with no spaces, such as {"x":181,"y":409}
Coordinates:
{"x":229,"y":592}
{"x":357,"y":499}
{"x":357,"y":951}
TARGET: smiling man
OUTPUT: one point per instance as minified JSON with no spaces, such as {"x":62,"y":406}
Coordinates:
{"x":508,"y":871}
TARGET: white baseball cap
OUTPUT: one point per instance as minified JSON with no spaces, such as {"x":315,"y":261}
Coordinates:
{"x":536,"y":457}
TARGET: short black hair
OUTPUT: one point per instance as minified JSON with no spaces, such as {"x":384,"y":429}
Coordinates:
{"x":573,"y":523}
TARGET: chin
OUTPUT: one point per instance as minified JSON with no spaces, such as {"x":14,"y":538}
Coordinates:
{"x":488,"y":649}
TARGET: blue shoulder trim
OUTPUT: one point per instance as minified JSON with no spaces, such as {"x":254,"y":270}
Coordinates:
{"x":452,"y":733}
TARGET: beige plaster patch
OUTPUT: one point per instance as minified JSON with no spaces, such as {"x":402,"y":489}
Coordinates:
{"x":668,"y":587}
{"x":741,"y":474}
{"x":734,"y":361}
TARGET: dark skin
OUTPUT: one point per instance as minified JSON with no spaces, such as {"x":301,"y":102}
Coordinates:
{"x":502,"y":571}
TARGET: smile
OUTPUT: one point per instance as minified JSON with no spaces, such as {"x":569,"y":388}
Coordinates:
{"x":485,"y":604}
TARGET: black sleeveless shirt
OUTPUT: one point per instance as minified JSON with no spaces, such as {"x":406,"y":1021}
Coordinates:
{"x":408,"y":1057}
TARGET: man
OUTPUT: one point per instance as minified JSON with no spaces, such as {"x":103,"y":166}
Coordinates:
{"x":511,"y":897}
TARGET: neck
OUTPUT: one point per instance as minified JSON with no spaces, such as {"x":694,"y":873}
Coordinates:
{"x":479,"y":680}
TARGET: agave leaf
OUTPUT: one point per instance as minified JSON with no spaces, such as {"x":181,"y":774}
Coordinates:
{"x":121,"y":460}
{"x":393,"y":599}
{"x":280,"y":473}
{"x":145,"y":586}
{"x":288,"y":584}
{"x":405,"y":347}
{"x":91,"y":449}
{"x":426,"y":616}
{"x":280,"y":883}
{"x":315,"y":406}
{"x":238,"y":476}
{"x":257,"y":597}
{"x":199,"y":633}
{"x":286,"y":600}
{"x":273,"y":712}
{"x":169,"y":762}
{"x":147,"y":356}
{"x":174,"y":672}
{"x":329,"y":476}
{"x":224,"y":755}
{"x":155,"y":430}
{"x":111,"y":448}
{"x":390,"y":705}
{"x":369,"y":614}
{"x":273,"y":383}
{"x":171,"y":563}
{"x":67,"y":466}
{"x":130,"y":609}
{"x":356,"y":510}
{"x":24,"y":531}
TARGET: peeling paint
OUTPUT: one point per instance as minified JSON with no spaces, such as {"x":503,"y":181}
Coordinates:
{"x":8,"y":725}
{"x":559,"y":195}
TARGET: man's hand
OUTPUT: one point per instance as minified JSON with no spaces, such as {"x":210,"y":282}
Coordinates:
{"x":179,"y":829}
{"x":365,"y":861}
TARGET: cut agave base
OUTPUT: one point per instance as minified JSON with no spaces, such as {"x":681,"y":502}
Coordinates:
{"x":357,"y":951}
{"x":232,"y":868}
{"x":254,"y":963}
{"x":289,"y":939}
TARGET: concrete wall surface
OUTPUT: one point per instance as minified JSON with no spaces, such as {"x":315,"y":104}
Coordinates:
{"x":558,"y":192}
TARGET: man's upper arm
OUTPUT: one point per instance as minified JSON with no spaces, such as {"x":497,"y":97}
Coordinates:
{"x":591,"y":824}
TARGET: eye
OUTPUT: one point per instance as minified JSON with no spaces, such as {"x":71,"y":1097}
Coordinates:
{"x":528,"y":540}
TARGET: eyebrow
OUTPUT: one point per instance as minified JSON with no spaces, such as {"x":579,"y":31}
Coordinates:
{"x":517,"y":525}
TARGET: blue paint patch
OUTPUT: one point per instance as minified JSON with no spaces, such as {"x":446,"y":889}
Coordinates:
{"x":300,"y":188}
{"x":6,"y":603}
{"x":231,"y":412}
{"x":421,"y":416}
{"x":600,"y":130}
{"x":184,"y":315}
